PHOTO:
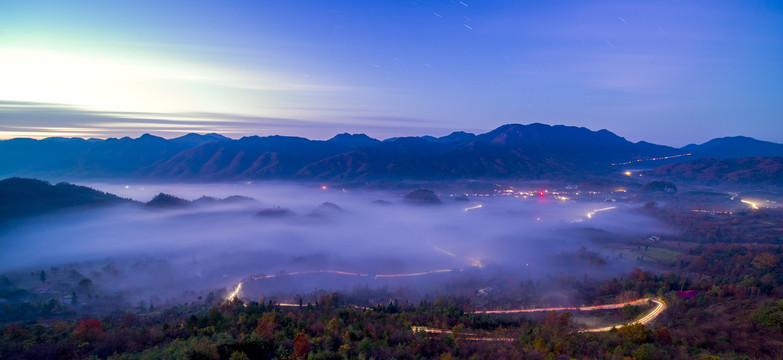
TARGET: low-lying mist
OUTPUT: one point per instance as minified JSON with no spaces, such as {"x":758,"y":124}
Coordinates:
{"x":358,"y":237}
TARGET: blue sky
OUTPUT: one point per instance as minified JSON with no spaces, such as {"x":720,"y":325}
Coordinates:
{"x":670,"y":72}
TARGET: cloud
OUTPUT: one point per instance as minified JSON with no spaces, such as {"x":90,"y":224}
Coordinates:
{"x":40,"y":120}
{"x":140,"y":82}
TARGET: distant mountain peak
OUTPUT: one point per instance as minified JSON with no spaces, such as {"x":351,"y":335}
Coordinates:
{"x":735,"y":147}
{"x":353,"y":140}
{"x":165,"y":200}
{"x":542,"y":135}
{"x":147,"y":136}
{"x":193,"y":139}
{"x":457,"y":137}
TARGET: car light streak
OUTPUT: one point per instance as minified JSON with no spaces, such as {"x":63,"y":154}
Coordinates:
{"x":577,"y":308}
{"x":236,"y":292}
{"x":337,"y":272}
{"x":752,"y":204}
{"x":660,"y":306}
{"x":238,"y":288}
{"x":590,"y":214}
{"x":470,"y":336}
{"x":413,"y":274}
{"x":651,"y":159}
{"x":444,"y":251}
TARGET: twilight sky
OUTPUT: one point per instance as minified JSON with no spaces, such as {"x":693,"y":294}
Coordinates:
{"x":669,"y":72}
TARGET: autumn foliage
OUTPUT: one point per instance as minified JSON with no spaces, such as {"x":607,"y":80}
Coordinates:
{"x":88,"y":330}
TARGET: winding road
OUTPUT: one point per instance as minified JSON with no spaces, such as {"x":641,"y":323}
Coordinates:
{"x":660,"y":306}
{"x":577,"y":308}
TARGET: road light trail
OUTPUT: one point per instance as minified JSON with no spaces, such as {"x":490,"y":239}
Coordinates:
{"x":470,"y":336}
{"x":479,"y":206}
{"x":660,"y":306}
{"x":577,"y":308}
{"x":654,"y":313}
{"x":238,"y":288}
{"x":752,"y":204}
{"x":413,"y":274}
{"x":590,"y":214}
{"x":651,"y":159}
{"x":236,"y":292}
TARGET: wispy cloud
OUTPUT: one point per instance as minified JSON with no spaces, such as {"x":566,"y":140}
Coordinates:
{"x":41,"y":120}
{"x":114,"y":82}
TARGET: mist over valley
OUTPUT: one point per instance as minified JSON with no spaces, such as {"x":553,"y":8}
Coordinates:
{"x":343,"y":238}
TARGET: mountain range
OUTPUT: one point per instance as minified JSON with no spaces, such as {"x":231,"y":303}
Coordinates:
{"x":513,"y":151}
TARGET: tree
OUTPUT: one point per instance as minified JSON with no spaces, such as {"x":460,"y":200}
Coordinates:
{"x":43,"y":276}
{"x":238,"y":355}
{"x":764,"y":261}
{"x":662,"y":336}
{"x":634,"y":332}
{"x":266,"y":326}
{"x":301,"y":345}
{"x":770,"y":314}
{"x":630,"y":311}
{"x":85,"y":283}
{"x":88,"y":330}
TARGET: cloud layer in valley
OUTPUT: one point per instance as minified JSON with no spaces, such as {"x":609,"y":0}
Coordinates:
{"x":293,"y":228}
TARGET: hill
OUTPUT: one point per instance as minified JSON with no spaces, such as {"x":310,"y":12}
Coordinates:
{"x":710,"y":171}
{"x":735,"y":147}
{"x":21,"y":197}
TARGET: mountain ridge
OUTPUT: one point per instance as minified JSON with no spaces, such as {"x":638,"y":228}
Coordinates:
{"x":533,"y":151}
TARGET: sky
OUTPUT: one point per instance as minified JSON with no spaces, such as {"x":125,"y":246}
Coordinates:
{"x":668,"y":72}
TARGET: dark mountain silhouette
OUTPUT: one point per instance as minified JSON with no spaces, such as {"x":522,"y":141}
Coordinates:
{"x":168,"y":201}
{"x":17,"y":155}
{"x":750,"y":171}
{"x":192,"y":140}
{"x":735,"y":147}
{"x":353,"y":140}
{"x":238,"y":199}
{"x":120,"y":156}
{"x":206,"y":200}
{"x":514,"y":151}
{"x":233,"y":199}
{"x":371,"y":162}
{"x":20,"y":197}
{"x":422,"y":197}
{"x":459,"y":137}
{"x":529,"y":152}
{"x":247,"y":158}
{"x":326,"y":209}
{"x":77,"y":158}
{"x":275,"y":212}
